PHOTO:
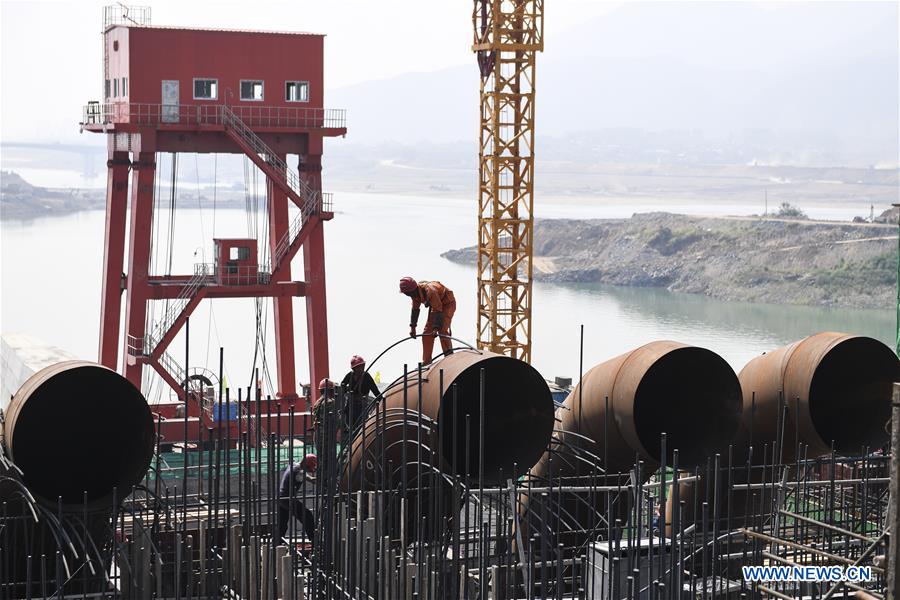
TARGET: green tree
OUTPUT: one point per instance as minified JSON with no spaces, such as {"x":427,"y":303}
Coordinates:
{"x":788,"y":211}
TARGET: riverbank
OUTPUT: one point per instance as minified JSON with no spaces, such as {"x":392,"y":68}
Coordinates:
{"x":779,"y":261}
{"x":22,"y":201}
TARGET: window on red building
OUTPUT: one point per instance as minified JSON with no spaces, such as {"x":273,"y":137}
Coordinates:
{"x":296,"y":91}
{"x":238,"y":253}
{"x":251,"y":89}
{"x":206,"y":89}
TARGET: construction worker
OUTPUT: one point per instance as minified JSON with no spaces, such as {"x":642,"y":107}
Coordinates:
{"x":297,"y":481}
{"x":441,"y":306}
{"x":324,"y":418}
{"x":358,"y":385}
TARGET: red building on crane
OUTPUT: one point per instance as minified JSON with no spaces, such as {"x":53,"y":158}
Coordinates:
{"x":201,"y":90}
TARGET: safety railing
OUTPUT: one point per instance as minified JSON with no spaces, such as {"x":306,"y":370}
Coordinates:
{"x":225,"y":274}
{"x":276,"y":117}
{"x":232,"y":120}
{"x":284,"y":244}
{"x":158,"y":330}
{"x":143,"y":346}
{"x":311,"y":207}
{"x":314,"y":201}
{"x":135,"y":345}
{"x":172,"y":367}
{"x":120,"y":14}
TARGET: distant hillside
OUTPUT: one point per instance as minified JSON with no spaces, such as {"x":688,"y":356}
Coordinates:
{"x":755,"y":260}
{"x":21,"y":200}
{"x":800,"y":83}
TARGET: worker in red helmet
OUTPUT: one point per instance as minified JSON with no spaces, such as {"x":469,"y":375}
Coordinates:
{"x":297,"y":483}
{"x":324,"y":418}
{"x":326,"y":390}
{"x":441,"y":305}
{"x":358,"y":386}
{"x":324,"y":400}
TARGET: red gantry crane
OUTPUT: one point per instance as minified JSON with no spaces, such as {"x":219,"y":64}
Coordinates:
{"x":175,"y":90}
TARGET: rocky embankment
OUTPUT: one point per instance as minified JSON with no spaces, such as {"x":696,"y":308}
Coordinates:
{"x":751,"y":259}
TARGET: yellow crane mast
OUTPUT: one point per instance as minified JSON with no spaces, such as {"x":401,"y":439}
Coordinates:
{"x":508,"y":34}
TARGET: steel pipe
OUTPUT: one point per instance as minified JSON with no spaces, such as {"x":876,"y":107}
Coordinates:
{"x":832,"y":387}
{"x":617,"y":414}
{"x":77,"y":427}
{"x":517,"y":423}
{"x":518,"y":413}
{"x":828,"y":388}
{"x":622,"y":407}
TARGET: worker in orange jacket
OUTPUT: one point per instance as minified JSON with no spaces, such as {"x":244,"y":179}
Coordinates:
{"x":441,"y":306}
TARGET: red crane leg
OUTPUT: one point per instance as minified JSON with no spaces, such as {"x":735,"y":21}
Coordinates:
{"x":310,"y":169}
{"x":284,"y":309}
{"x":113,"y":257}
{"x":139,"y":256}
{"x":316,"y":312}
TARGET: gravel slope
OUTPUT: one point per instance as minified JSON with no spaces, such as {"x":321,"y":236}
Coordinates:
{"x":776,"y":261}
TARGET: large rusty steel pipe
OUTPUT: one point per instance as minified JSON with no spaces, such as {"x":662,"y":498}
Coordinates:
{"x":835,"y":387}
{"x":77,"y":427}
{"x":417,"y":482}
{"x":831,"y":387}
{"x":517,"y":425}
{"x":618,"y":412}
{"x":686,"y":392}
{"x":518,"y":411}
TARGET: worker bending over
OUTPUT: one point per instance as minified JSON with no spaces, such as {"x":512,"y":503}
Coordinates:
{"x":358,"y":386}
{"x":441,"y":306}
{"x":297,"y":481}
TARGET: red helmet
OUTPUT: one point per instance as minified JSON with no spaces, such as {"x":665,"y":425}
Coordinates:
{"x":326,"y":383}
{"x":407,"y":285}
{"x":310,"y":462}
{"x":356,"y":361}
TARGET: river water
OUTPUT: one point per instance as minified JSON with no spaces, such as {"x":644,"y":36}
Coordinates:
{"x":52,"y":266}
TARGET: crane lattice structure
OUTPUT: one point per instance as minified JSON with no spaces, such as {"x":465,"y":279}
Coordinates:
{"x":508,"y":34}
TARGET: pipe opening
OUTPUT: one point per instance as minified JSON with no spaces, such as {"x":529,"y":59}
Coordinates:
{"x":850,"y":394}
{"x":83,"y":429}
{"x":518,"y":417}
{"x":693,"y":396}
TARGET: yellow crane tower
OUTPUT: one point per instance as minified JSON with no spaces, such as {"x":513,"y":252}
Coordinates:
{"x":508,"y":34}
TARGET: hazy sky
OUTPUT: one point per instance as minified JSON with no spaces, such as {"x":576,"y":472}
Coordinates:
{"x":51,"y":52}
{"x":51,"y":61}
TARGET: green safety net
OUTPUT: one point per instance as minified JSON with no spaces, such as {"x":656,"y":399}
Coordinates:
{"x":171,"y":464}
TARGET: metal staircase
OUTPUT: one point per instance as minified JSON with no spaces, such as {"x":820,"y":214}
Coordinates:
{"x":309,"y":200}
{"x":175,"y":310}
{"x":173,"y":368}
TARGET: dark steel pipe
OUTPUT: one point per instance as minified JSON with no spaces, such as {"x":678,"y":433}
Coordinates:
{"x":77,"y":427}
{"x":518,"y":423}
{"x":617,"y":413}
{"x":828,"y":387}
{"x":518,"y":412}
{"x":836,"y":387}
{"x":686,"y":392}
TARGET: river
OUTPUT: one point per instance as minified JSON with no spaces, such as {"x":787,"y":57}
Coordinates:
{"x":52,"y":266}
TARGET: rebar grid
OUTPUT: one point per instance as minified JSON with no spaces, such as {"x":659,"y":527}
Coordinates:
{"x":420,"y":530}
